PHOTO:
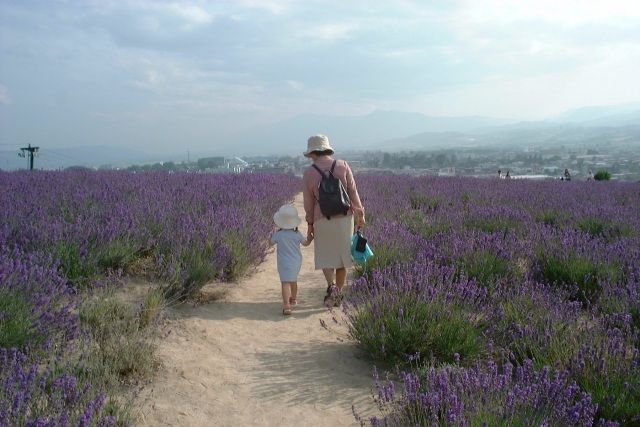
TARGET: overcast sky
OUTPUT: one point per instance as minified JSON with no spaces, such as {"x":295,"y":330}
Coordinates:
{"x":156,"y":73}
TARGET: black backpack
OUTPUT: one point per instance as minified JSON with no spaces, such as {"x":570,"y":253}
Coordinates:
{"x":332,"y":195}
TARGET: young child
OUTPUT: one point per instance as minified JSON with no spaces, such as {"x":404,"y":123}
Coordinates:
{"x":288,"y":240}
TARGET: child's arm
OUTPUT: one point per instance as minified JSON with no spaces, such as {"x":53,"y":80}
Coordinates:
{"x":272,"y":240}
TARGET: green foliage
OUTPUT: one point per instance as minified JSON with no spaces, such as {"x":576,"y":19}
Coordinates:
{"x":613,"y":381}
{"x":382,"y":258}
{"x":549,"y":217}
{"x":485,"y":266}
{"x":152,"y":306}
{"x":79,"y":270}
{"x":602,"y":175}
{"x":198,"y":269}
{"x":16,"y":321}
{"x":580,"y":275}
{"x":117,"y":255}
{"x":240,"y":258}
{"x":493,"y":225}
{"x":420,"y":201}
{"x":598,"y":227}
{"x":418,"y":223}
{"x":120,"y":349}
{"x":547,"y":341}
{"x":408,"y":326}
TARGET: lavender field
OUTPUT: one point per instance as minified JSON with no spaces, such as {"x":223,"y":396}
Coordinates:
{"x":501,"y":302}
{"x":68,"y":239}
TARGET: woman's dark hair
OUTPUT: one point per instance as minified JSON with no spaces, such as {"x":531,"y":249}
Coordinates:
{"x":323,"y":152}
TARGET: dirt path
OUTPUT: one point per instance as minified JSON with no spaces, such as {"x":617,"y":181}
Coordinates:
{"x":239,"y":362}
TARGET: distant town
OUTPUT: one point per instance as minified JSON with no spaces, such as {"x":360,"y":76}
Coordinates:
{"x":542,"y":163}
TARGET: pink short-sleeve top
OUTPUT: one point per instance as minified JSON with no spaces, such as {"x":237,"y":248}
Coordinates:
{"x":311,"y":182}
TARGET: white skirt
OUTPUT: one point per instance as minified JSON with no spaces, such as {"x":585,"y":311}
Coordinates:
{"x":332,"y":242}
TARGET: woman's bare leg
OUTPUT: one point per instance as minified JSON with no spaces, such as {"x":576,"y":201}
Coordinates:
{"x":341,"y":277}
{"x":294,"y":291}
{"x":329,"y":274}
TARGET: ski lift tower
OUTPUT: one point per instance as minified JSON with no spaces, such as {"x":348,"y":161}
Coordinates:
{"x":29,"y":151}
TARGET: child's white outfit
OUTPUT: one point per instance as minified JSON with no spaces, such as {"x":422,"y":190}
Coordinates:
{"x":289,"y":253}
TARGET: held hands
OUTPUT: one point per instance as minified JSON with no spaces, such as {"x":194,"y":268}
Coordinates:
{"x":310,"y":233}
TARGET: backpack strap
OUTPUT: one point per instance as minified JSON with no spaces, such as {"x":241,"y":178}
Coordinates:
{"x":319,"y":171}
{"x":333,"y":166}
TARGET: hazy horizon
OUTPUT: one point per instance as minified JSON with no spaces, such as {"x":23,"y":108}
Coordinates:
{"x":168,"y":75}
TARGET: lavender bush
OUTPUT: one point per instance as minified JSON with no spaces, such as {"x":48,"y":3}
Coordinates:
{"x":65,"y":240}
{"x":484,"y":396}
{"x":544,"y":274}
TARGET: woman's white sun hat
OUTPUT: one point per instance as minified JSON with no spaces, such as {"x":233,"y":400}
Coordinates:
{"x":287,"y":217}
{"x":318,"y":143}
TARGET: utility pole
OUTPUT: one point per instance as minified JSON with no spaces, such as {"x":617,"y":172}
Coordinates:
{"x":32,"y":151}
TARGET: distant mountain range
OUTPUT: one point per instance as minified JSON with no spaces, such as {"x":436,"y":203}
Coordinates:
{"x":379,"y":130}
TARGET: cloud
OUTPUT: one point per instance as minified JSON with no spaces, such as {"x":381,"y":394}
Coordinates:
{"x":4,"y":95}
{"x":330,"y":32}
{"x":276,"y":7}
{"x":295,"y":85}
{"x":193,"y":15}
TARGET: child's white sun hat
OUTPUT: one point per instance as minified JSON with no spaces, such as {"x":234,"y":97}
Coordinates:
{"x":287,"y":217}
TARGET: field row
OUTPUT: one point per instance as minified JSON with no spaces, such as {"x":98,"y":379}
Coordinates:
{"x":67,"y":343}
{"x":502,"y":302}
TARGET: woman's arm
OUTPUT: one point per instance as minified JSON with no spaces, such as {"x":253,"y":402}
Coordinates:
{"x":308,"y":241}
{"x":309,"y":201}
{"x":356,"y":204}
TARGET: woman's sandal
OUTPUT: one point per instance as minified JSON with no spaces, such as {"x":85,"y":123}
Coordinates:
{"x":293,"y":301}
{"x":286,"y":311}
{"x":333,"y":294}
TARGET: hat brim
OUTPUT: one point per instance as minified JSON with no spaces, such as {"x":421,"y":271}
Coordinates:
{"x":308,"y":153}
{"x":286,"y":222}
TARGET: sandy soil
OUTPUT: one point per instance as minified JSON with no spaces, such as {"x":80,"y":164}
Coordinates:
{"x":240,"y":362}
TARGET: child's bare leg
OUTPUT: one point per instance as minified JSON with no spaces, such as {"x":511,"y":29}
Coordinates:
{"x":294,"y":293}
{"x":286,"y":294}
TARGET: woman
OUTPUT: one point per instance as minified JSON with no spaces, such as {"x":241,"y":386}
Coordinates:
{"x":332,"y":236}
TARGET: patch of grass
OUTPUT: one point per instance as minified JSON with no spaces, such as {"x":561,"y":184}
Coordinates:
{"x":602,"y":175}
{"x":485,"y":266}
{"x":16,"y":321}
{"x":390,"y":331}
{"x":120,"y":351}
{"x":152,"y":307}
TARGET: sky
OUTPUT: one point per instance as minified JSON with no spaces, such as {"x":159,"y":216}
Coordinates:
{"x":146,"y":74}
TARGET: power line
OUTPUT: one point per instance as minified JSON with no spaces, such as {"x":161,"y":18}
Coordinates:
{"x":63,"y":156}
